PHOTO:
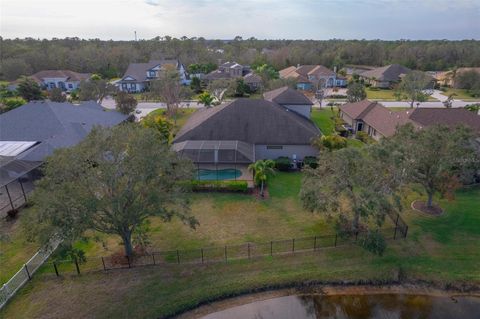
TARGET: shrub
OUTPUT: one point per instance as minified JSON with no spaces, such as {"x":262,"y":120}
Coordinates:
{"x":374,"y":242}
{"x":362,"y":136}
{"x":227,"y":186}
{"x":282,"y":163}
{"x":310,"y":161}
{"x":337,"y":96}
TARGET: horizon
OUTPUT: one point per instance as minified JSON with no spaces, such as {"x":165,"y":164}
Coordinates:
{"x":385,"y":20}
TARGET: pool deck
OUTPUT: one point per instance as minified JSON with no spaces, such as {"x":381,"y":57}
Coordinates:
{"x":246,"y":174}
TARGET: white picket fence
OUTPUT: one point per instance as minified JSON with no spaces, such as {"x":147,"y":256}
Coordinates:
{"x":25,"y":273}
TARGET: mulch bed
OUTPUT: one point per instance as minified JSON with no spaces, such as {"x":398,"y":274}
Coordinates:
{"x":421,"y":206}
{"x":256,"y":193}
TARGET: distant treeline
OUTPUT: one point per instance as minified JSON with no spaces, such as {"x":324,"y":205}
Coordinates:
{"x":111,"y":58}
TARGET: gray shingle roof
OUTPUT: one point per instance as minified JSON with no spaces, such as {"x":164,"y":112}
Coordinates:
{"x":69,"y":75}
{"x":389,"y":73}
{"x":287,"y":96}
{"x":251,"y":121}
{"x":53,"y":124}
{"x":138,"y":71}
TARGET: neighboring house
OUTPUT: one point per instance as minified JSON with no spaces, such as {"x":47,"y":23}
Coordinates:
{"x":227,"y":71}
{"x":450,"y":78}
{"x":312,"y":77}
{"x":31,"y":132}
{"x":385,"y":76}
{"x":378,"y":121}
{"x":244,"y":131}
{"x":254,"y":81}
{"x":290,"y":99}
{"x":65,"y":80}
{"x":138,"y":75}
{"x":454,"y":79}
{"x":351,"y":69}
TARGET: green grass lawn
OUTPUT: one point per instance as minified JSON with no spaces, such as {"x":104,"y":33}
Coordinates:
{"x":461,"y":94}
{"x":182,"y":116}
{"x":15,"y":250}
{"x":386,"y":95}
{"x":440,"y":249}
{"x":323,"y":119}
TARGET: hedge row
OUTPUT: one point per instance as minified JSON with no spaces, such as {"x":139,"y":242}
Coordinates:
{"x":226,"y":186}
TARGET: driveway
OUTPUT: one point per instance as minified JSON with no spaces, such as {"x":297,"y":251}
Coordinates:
{"x":146,"y":107}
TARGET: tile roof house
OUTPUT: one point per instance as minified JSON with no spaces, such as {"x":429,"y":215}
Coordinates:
{"x":385,"y":76}
{"x":138,"y":75}
{"x":65,"y":80}
{"x":378,"y":121}
{"x":312,"y":77}
{"x":246,"y":130}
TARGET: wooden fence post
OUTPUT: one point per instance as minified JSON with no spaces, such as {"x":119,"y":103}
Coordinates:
{"x":248,"y":249}
{"x":103,"y":263}
{"x":271,"y":248}
{"x":28,"y":273}
{"x":153,"y":257}
{"x":315,"y":243}
{"x":56,"y":269}
{"x":406,"y":231}
{"x":293,"y":245}
{"x":226,"y":259}
{"x":76,"y":266}
{"x":202,"y":255}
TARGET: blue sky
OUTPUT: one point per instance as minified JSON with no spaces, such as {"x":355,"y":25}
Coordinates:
{"x":224,"y":19}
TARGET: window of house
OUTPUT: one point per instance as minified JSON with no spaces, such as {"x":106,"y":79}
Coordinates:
{"x":70,"y":85}
{"x":274,"y":147}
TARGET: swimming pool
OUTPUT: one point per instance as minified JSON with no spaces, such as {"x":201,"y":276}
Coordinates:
{"x":221,"y":174}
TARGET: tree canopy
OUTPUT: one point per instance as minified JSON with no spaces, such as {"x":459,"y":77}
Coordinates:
{"x":29,"y":90}
{"x":126,"y":103}
{"x":111,"y":182}
{"x":356,"y":92}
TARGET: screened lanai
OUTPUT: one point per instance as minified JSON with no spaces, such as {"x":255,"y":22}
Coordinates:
{"x":218,"y":160}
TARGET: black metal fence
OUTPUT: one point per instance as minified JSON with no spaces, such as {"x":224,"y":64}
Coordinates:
{"x":216,"y":254}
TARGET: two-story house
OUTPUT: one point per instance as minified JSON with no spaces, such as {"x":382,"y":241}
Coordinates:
{"x":138,"y":76}
{"x":227,"y":70}
{"x":313,"y":77}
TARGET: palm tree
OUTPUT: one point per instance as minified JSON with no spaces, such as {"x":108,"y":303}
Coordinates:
{"x":261,"y":170}
{"x":206,"y":99}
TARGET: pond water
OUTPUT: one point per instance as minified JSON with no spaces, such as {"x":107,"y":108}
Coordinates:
{"x":385,"y":306}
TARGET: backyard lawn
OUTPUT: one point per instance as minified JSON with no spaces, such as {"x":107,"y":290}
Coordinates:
{"x":461,"y":94}
{"x":323,"y":119}
{"x":443,"y":250}
{"x":182,"y":116}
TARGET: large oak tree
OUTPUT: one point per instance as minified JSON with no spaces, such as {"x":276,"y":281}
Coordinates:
{"x":112,"y":182}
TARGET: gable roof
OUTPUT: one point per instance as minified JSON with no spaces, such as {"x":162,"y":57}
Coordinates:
{"x":251,"y":121}
{"x":356,"y":109}
{"x":388,"y":73}
{"x":450,"y":117}
{"x":252,"y":78}
{"x":138,"y":71}
{"x":287,"y":96}
{"x":69,"y":75}
{"x":302,"y":72}
{"x":54,"y":125}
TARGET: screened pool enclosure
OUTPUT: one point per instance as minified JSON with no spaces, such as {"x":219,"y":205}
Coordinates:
{"x":218,"y":160}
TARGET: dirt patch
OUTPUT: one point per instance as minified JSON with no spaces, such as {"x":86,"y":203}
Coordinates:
{"x":421,"y":207}
{"x":256,"y":193}
{"x":326,"y":290}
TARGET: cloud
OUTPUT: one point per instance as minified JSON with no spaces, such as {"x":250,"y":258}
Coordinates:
{"x":153,"y":2}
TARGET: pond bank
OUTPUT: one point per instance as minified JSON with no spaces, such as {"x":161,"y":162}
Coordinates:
{"x":328,"y":290}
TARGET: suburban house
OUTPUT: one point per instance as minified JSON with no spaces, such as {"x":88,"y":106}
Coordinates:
{"x":386,"y":76}
{"x":450,"y":78}
{"x":138,"y":75}
{"x":254,"y":81}
{"x":243,"y":131}
{"x":290,"y":99}
{"x":65,"y":80}
{"x":378,"y":121}
{"x":30,"y":133}
{"x":313,"y":77}
{"x":226,"y":71}
{"x":351,"y":69}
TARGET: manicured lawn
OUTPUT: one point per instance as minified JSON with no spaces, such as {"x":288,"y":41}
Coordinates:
{"x":440,"y":249}
{"x":15,"y":250}
{"x":182,"y":116}
{"x":386,"y":95}
{"x":323,"y":119}
{"x":461,"y":94}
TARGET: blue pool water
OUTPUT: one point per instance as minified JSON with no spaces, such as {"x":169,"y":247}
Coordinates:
{"x":221,"y":174}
